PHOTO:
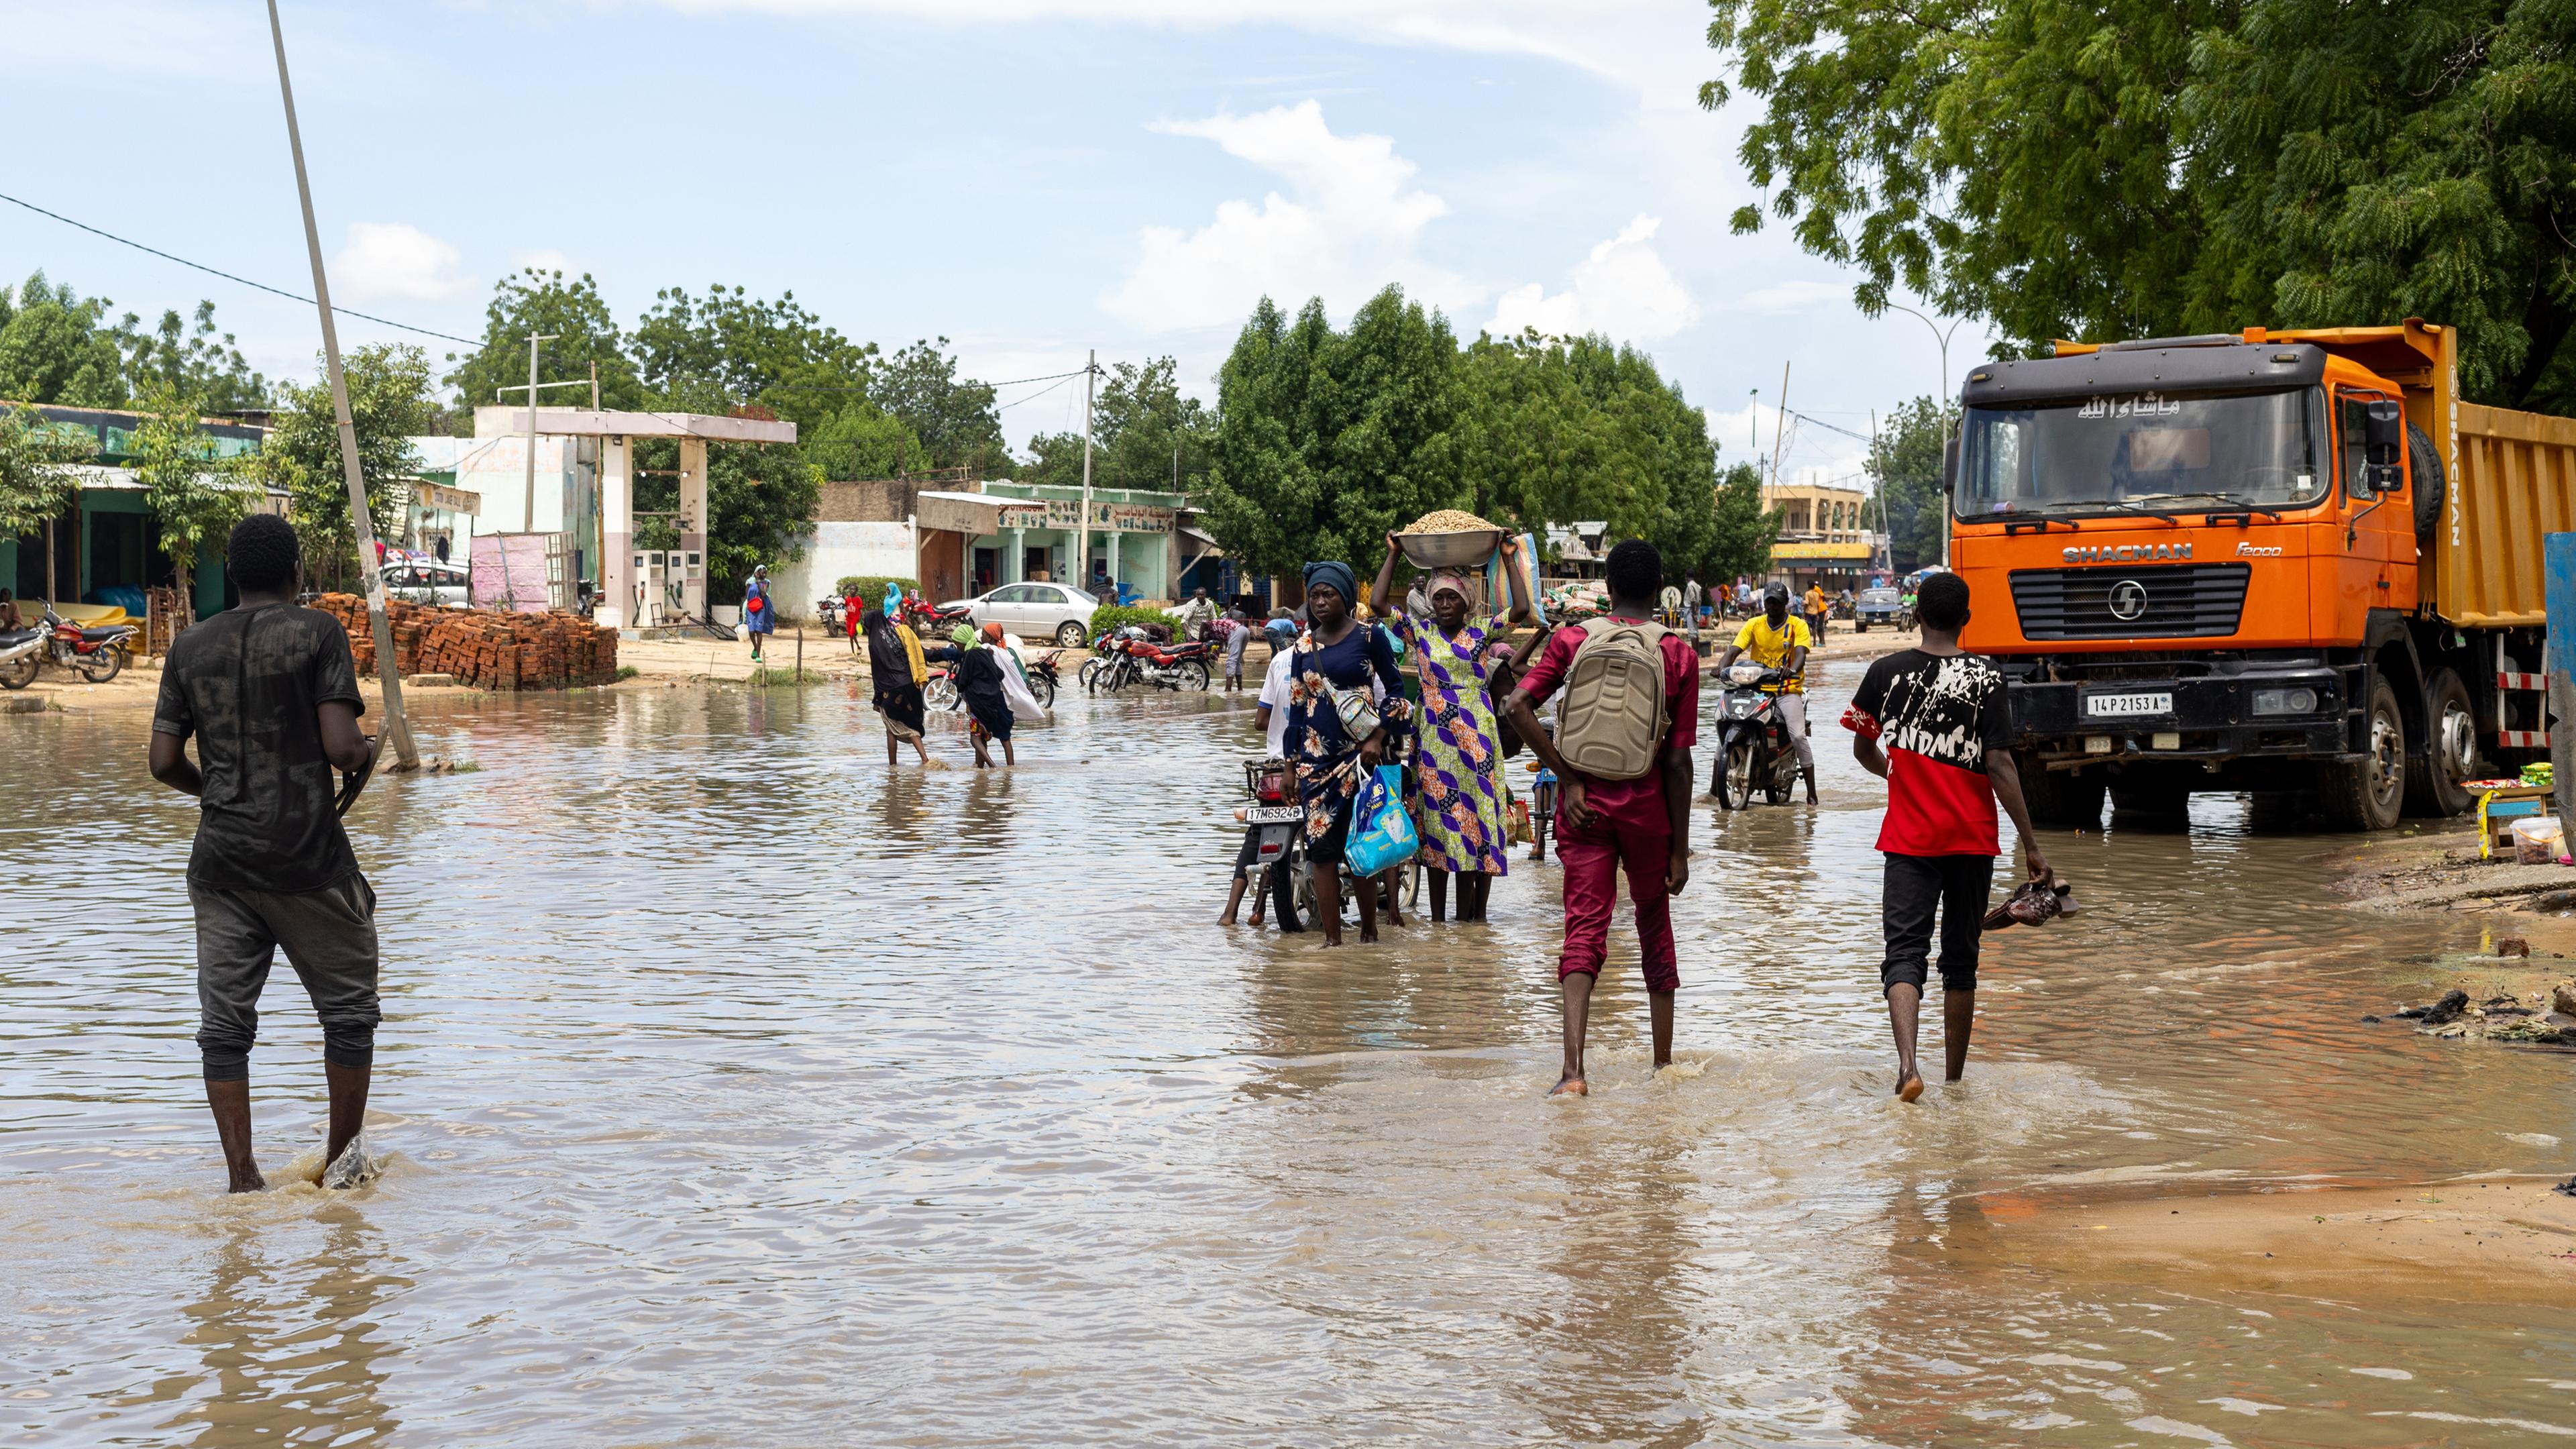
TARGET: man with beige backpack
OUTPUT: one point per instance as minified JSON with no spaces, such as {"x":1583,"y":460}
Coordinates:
{"x":1621,"y":753}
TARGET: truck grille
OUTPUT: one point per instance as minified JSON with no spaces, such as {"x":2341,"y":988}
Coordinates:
{"x":2183,"y":601}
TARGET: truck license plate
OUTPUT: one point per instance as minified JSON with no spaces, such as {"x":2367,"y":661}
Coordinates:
{"x":2127,"y":706}
{"x":1274,"y":815}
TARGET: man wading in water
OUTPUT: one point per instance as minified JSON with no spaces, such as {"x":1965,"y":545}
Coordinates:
{"x":1622,"y":759}
{"x":271,"y":695}
{"x":1932,"y":722}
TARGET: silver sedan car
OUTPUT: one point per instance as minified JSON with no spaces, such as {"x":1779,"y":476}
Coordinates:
{"x":1034,"y":611}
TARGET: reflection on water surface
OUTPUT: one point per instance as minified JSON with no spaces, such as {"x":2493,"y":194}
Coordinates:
{"x":739,"y":1093}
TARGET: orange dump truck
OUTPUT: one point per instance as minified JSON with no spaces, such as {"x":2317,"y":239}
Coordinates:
{"x":2274,"y":561}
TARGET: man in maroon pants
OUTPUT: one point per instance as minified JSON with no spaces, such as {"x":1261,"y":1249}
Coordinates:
{"x":1637,"y":816}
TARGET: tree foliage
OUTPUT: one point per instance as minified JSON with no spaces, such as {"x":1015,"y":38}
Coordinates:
{"x":1328,"y":439}
{"x":53,"y":349}
{"x":1145,"y":434}
{"x":2152,"y":167}
{"x":38,"y":476}
{"x":391,"y":400}
{"x":953,"y":417}
{"x":1905,"y":459}
{"x":194,"y":495}
{"x":584,"y":332}
{"x":1740,"y":542}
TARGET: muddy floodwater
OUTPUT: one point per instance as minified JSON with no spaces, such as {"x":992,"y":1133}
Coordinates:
{"x":737,"y":1093}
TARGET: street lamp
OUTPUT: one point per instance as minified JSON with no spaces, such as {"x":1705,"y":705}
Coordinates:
{"x":1942,"y":336}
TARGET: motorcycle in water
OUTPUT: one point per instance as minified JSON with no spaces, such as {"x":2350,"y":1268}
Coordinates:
{"x":1754,"y":751}
{"x":1108,"y":669}
{"x":1170,"y":666}
{"x":1281,"y":851}
{"x":95,"y":654}
{"x":1042,"y":678}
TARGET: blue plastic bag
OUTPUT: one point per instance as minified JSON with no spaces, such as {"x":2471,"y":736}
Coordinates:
{"x":1381,"y":833}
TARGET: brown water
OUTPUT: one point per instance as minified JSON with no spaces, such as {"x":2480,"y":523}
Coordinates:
{"x":736,"y":1093}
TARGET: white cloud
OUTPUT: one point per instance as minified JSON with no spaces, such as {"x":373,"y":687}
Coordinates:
{"x":395,"y":259}
{"x":545,"y":259}
{"x":1785,"y":297}
{"x":1350,"y":226}
{"x":1623,"y":290}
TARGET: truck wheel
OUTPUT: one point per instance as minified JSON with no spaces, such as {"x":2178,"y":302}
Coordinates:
{"x":2369,"y":793}
{"x":2424,"y":460}
{"x":2061,"y":797}
{"x":2434,"y":779}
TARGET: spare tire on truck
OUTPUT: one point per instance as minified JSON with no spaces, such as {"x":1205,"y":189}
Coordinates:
{"x":2424,"y":460}
{"x":2369,"y":792}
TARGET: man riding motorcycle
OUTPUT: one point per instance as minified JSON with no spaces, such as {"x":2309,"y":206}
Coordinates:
{"x":1778,"y":641}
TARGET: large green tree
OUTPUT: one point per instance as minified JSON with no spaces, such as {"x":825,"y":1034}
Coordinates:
{"x":38,"y":477}
{"x":2148,"y":167}
{"x":1905,"y":461}
{"x":392,"y":400}
{"x":53,"y":349}
{"x":195,"y":497}
{"x":953,"y":417}
{"x":1145,"y":433}
{"x":583,"y":331}
{"x":199,"y":361}
{"x":729,"y":348}
{"x":1327,"y":438}
{"x":1559,"y":429}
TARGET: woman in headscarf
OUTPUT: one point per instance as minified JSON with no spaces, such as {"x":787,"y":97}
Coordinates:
{"x":1336,"y":653}
{"x":759,"y":609}
{"x":1458,"y":756}
{"x":898,"y":670}
{"x":988,"y":711}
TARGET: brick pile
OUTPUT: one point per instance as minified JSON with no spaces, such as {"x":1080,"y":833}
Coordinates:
{"x":485,"y":648}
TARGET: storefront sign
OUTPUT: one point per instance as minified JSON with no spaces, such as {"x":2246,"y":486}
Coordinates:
{"x":449,"y":500}
{"x":1139,"y":518}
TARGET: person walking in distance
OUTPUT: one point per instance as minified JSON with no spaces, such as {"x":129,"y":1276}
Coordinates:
{"x":1814,"y":604}
{"x":1932,"y":722}
{"x":1622,"y":759}
{"x":269,"y":692}
{"x":1777,"y":641}
{"x":759,"y":610}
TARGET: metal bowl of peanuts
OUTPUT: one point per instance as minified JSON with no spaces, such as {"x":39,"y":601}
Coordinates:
{"x":1447,"y":538}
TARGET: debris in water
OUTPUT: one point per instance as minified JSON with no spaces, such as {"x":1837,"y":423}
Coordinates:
{"x":2448,"y":1009}
{"x":356,"y":1166}
{"x":2513,"y":946}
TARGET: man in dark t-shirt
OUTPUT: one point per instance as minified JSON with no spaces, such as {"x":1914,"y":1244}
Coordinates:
{"x":270,"y":694}
{"x":1932,"y":722}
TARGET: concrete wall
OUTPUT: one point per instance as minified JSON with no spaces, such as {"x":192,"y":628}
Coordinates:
{"x":833,"y":552}
{"x":884,"y":500}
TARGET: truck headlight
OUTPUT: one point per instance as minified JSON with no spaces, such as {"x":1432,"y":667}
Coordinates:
{"x":2300,"y":700}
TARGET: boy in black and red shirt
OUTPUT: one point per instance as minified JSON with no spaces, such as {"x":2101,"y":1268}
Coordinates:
{"x":1932,"y":722}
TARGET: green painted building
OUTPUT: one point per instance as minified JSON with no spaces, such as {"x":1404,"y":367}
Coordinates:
{"x":105,"y":546}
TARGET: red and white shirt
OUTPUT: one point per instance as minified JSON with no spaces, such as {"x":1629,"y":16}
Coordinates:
{"x":1935,"y":716}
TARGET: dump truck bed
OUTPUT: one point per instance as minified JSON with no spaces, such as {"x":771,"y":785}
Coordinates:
{"x":2512,"y":480}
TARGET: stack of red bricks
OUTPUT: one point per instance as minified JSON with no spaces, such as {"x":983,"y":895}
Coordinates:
{"x":486,"y":648}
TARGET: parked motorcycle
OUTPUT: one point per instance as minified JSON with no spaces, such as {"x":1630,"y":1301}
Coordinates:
{"x":1043,"y":679}
{"x":95,"y":654}
{"x":21,"y":651}
{"x":827,"y":612}
{"x":1754,"y":751}
{"x":929,"y":620}
{"x":1281,"y":853}
{"x":1170,"y":666}
{"x":1104,"y":671}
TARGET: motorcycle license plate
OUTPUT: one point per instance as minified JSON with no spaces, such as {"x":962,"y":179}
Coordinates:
{"x":1274,"y":815}
{"x":2128,"y":706}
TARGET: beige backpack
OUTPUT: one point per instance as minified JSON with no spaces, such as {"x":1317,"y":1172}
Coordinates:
{"x":1610,"y":720}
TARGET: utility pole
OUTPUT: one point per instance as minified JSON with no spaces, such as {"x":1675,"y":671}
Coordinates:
{"x":1082,"y":532}
{"x":1781,"y":427}
{"x":397,"y":728}
{"x":529,"y":518}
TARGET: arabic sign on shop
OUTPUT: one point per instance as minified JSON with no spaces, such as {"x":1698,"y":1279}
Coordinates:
{"x":1066,"y":513}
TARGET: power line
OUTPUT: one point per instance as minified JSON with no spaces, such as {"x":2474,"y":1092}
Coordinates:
{"x":1013,"y":382}
{"x":1032,"y":397}
{"x":229,"y":277}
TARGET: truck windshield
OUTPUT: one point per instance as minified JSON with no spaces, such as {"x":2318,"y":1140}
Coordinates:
{"x":2143,"y":452}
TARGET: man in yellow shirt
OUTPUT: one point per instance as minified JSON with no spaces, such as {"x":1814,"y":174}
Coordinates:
{"x":1815,"y":602}
{"x":1777,"y":641}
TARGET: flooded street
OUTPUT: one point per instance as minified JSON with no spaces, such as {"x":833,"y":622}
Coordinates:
{"x":735,"y":1092}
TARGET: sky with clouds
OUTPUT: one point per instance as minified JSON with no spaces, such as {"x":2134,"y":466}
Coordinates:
{"x":1029,"y":178}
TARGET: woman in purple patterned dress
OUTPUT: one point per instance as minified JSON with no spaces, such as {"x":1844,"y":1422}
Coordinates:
{"x":1458,"y":760}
